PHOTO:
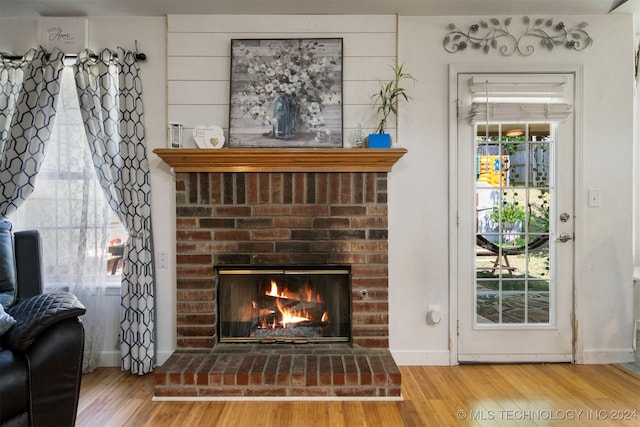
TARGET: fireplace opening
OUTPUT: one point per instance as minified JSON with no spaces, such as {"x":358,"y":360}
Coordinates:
{"x":284,"y":304}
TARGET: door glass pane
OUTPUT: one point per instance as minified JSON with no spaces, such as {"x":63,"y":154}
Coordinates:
{"x":538,"y":163}
{"x":513,"y":202}
{"x":538,"y":301}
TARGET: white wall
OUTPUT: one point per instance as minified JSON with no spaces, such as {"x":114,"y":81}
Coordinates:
{"x":418,"y":190}
{"x":418,"y":232}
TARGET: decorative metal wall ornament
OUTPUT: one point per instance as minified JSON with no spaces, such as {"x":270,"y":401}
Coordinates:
{"x":498,"y":36}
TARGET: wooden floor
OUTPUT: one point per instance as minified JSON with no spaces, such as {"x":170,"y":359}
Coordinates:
{"x":483,"y":395}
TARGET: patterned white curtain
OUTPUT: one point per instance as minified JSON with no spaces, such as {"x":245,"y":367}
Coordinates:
{"x":29,"y":89}
{"x":70,"y":211}
{"x":110,"y":95}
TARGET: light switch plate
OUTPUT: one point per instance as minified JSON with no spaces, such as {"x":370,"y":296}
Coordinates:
{"x":593,"y":195}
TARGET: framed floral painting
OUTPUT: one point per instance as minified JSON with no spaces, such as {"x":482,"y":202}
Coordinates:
{"x":286,"y":93}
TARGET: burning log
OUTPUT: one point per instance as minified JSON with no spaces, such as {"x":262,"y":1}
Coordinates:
{"x":294,"y":305}
{"x":303,"y":310}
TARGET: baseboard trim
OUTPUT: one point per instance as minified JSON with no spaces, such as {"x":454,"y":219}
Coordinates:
{"x":602,"y":357}
{"x":421,"y":358}
{"x":163,"y":356}
{"x":515,"y":358}
{"x":111,"y":359}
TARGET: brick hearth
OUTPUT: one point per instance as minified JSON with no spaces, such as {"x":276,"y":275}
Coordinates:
{"x":280,"y":370}
{"x":279,"y":219}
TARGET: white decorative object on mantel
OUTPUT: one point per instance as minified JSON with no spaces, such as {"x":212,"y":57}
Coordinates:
{"x":70,"y":35}
{"x":208,"y":136}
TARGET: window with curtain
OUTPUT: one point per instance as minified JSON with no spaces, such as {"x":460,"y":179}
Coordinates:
{"x":81,"y":236}
{"x":82,"y":239}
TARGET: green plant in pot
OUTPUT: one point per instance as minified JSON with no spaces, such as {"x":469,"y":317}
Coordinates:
{"x":512,"y":213}
{"x":386,"y":103}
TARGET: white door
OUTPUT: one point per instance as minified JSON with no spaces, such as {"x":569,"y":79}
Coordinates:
{"x":515,"y":209}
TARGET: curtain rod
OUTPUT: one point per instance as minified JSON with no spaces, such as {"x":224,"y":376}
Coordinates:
{"x":139,"y":56}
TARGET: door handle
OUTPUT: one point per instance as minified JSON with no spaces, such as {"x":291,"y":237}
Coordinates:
{"x":564,"y":237}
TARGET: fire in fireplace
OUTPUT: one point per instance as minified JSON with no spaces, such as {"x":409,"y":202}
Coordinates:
{"x":290,"y":304}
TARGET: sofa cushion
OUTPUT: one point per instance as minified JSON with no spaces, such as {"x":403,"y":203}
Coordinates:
{"x":6,"y":321}
{"x":38,"y":313}
{"x":7,"y":265}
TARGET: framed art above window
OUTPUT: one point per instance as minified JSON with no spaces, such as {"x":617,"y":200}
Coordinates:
{"x":286,"y":93}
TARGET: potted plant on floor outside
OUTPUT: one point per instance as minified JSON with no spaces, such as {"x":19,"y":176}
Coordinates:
{"x":385,"y":103}
{"x":511,"y":216}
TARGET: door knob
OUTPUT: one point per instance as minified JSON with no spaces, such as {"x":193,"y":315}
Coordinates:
{"x":564,"y":237}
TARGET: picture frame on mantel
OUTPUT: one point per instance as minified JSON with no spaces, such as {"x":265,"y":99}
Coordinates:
{"x":286,"y":93}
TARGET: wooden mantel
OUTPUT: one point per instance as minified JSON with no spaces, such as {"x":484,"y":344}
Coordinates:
{"x":280,"y":159}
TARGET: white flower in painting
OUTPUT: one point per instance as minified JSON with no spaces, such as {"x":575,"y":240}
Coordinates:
{"x":256,"y":112}
{"x":287,"y":88}
{"x":315,"y":121}
{"x":314,"y":68}
{"x":314,"y":108}
{"x":305,"y":77}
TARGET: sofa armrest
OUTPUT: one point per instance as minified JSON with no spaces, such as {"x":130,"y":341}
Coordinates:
{"x":36,"y":314}
{"x":55,"y":362}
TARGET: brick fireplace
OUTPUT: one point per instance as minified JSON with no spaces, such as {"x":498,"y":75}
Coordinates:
{"x":280,"y":218}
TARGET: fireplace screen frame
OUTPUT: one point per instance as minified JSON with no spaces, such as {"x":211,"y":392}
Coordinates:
{"x":345,"y":325}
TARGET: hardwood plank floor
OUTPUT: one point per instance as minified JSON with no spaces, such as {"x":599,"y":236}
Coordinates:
{"x":470,"y":395}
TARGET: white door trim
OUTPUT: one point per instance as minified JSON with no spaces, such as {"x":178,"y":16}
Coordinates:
{"x":454,"y":70}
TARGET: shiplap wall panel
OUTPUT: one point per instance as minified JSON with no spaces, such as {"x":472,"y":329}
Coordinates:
{"x":193,"y":115}
{"x":281,"y":23}
{"x":193,"y":92}
{"x":359,"y":92}
{"x":198,"y":63}
{"x":198,"y":44}
{"x":373,"y":44}
{"x":198,"y":68}
{"x":367,"y":69}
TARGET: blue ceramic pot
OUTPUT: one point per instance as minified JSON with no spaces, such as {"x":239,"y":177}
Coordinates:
{"x":379,"y":140}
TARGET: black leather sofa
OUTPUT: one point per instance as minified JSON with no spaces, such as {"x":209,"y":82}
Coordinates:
{"x":41,"y":354}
